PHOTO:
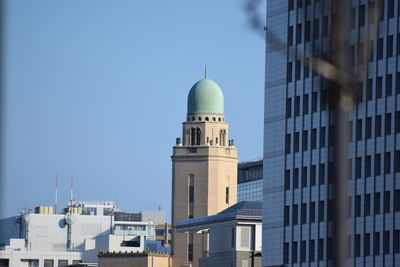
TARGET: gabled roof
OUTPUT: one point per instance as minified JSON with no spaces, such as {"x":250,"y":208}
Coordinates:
{"x":244,"y":210}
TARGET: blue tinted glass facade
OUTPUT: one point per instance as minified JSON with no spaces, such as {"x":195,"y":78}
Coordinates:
{"x":298,"y":138}
{"x":250,"y":179}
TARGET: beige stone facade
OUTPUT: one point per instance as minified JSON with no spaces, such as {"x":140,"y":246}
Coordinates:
{"x":204,"y":180}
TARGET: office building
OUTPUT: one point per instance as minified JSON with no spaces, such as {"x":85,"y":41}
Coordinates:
{"x":45,"y":239}
{"x":204,"y":168}
{"x":250,"y":182}
{"x":231,"y":237}
{"x":298,"y":136}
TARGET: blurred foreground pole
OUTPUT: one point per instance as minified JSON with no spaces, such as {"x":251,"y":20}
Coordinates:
{"x":341,"y":98}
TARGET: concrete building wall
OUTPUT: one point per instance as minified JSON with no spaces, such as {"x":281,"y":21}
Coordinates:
{"x":135,"y":260}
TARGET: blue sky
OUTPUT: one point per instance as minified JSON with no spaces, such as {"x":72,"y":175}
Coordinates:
{"x":97,"y":89}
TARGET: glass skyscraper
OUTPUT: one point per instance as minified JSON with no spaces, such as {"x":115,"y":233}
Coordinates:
{"x":250,"y":181}
{"x":298,"y":139}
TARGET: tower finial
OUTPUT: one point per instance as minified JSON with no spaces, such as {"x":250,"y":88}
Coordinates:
{"x":205,"y":72}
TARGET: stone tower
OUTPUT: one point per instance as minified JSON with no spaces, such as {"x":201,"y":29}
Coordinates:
{"x":204,"y":169}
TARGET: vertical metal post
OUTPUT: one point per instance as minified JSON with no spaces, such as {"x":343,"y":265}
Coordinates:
{"x":341,"y":93}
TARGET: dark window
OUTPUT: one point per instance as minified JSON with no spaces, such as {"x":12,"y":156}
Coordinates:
{"x":387,"y":162}
{"x":286,"y":253}
{"x":287,"y":179}
{"x":360,"y":90}
{"x":325,"y":26}
{"x":369,"y":89}
{"x":313,"y":171}
{"x":368,"y":128}
{"x":297,"y":106}
{"x":291,"y":4}
{"x":286,"y":216}
{"x":297,"y":70}
{"x":377,"y":166}
{"x":295,"y":214}
{"x":314,"y":100}
{"x":296,"y":143}
{"x":331,"y":135}
{"x":321,"y":211}
{"x":303,"y":247}
{"x":306,"y":68}
{"x":386,"y":202}
{"x":311,"y":251}
{"x":329,"y":248}
{"x":305,"y":140}
{"x":191,"y":194}
{"x":357,"y":206}
{"x":378,"y":87}
{"x":396,"y":241}
{"x":397,"y":121}
{"x":289,"y":71}
{"x":389,"y":46}
{"x":313,"y":138}
{"x":305,"y":104}
{"x":389,"y":84}
{"x":379,"y":51}
{"x":396,"y":200}
{"x":290,"y":35}
{"x":303,"y":213}
{"x":371,"y":14}
{"x":304,"y":177}
{"x":361,"y":16}
{"x":299,"y":3}
{"x":398,"y":42}
{"x":386,"y":242}
{"x":367,"y":246}
{"x":288,"y":108}
{"x":296,"y":178}
{"x":307,"y":34}
{"x":322,"y":137}
{"x":321,"y":173}
{"x":367,"y":205}
{"x":320,"y":249}
{"x":390,"y":9}
{"x":358,"y":168}
{"x":233,"y":238}
{"x":294,"y":252}
{"x":190,"y":252}
{"x":377,"y":249}
{"x":312,"y":212}
{"x":367,"y":166}
{"x":359,"y":130}
{"x":287,"y":144}
{"x":398,"y":75}
{"x":316,"y":29}
{"x":227,"y":195}
{"x":377,"y":203}
{"x":378,"y":125}
{"x":388,"y":124}
{"x":397,"y":161}
{"x":357,"y":243}
{"x":298,"y":34}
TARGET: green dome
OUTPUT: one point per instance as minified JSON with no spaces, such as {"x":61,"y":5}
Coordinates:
{"x":205,"y":97}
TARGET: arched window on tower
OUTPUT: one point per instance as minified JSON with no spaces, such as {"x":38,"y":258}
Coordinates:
{"x":192,"y":136}
{"x":198,"y":136}
{"x":222,"y":137}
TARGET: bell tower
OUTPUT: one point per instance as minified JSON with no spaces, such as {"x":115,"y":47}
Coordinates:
{"x":204,"y":169}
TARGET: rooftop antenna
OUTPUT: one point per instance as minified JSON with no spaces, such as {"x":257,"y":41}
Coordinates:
{"x":56,"y":196}
{"x":71,"y":193}
{"x":205,"y":72}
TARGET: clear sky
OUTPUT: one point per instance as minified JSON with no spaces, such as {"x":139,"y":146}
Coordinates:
{"x":97,"y":89}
